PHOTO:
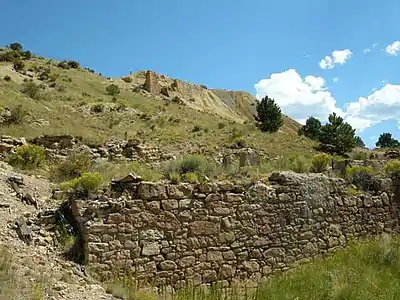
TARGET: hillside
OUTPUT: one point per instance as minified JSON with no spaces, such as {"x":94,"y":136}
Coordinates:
{"x":178,"y":117}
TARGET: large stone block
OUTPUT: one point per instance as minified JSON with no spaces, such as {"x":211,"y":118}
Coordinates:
{"x":204,"y":228}
{"x":152,"y":191}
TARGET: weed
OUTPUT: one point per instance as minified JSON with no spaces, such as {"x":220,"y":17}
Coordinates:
{"x":28,"y":157}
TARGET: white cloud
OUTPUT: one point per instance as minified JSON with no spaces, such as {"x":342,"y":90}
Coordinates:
{"x":335,"y":79}
{"x":301,"y":98}
{"x":366,"y":50}
{"x":393,"y":48}
{"x":337,"y":57}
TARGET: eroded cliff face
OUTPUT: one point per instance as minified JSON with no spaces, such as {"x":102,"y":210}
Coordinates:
{"x":235,"y":105}
{"x":172,"y":234}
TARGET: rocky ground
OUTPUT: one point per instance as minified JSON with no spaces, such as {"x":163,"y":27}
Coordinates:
{"x":39,"y":271}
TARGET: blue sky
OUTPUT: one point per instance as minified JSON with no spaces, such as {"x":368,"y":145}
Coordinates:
{"x":263,"y":47}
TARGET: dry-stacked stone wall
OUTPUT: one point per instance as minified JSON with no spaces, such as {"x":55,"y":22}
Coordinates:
{"x":172,"y":234}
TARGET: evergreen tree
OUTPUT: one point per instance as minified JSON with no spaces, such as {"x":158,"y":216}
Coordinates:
{"x":338,"y":134}
{"x":312,"y":128}
{"x":359,"y":142}
{"x":269,"y":115}
{"x":387,"y":141}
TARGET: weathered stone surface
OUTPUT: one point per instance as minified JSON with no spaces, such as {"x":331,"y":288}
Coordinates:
{"x":204,"y":228}
{"x":152,"y":191}
{"x":221,"y":232}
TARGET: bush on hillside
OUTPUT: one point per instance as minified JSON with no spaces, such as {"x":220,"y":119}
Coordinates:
{"x":190,"y":164}
{"x":97,"y":108}
{"x":73,"y":166}
{"x":27,"y":55}
{"x":320,"y":163}
{"x":16,"y":47}
{"x":28,"y":157}
{"x":298,"y":163}
{"x":16,"y":115}
{"x":269,"y":115}
{"x":7,"y":78}
{"x":362,"y":177}
{"x":112,"y":90}
{"x":392,"y":169}
{"x":73,"y":64}
{"x":127,"y":79}
{"x":32,"y":90}
{"x":10,"y":56}
{"x":84,"y":184}
{"x":19,"y":65}
{"x":63,"y":65}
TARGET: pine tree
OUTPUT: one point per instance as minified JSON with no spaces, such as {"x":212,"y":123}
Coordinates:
{"x":387,"y":141}
{"x":312,"y":128}
{"x":269,"y":115}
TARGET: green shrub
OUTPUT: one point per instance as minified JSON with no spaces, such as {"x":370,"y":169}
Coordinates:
{"x":63,"y":65}
{"x":97,"y":108}
{"x":16,"y":47}
{"x":27,"y":55}
{"x":298,"y":163}
{"x":32,"y":90}
{"x":28,"y":157}
{"x":127,"y":79}
{"x":73,"y":166}
{"x":362,"y":177}
{"x":19,"y":65}
{"x":190,"y":177}
{"x":73,"y":64}
{"x":392,"y":169}
{"x":320,"y":162}
{"x":9,"y":56}
{"x":175,"y":177}
{"x":112,"y":90}
{"x":360,"y":155}
{"x":7,"y":78}
{"x":146,"y":172}
{"x":221,"y":125}
{"x":87,"y":182}
{"x":196,"y":128}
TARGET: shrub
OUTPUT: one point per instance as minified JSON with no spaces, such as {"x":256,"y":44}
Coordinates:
{"x":97,"y":108}
{"x":19,"y":65}
{"x":28,"y":157}
{"x":32,"y":90}
{"x":16,"y":47}
{"x":298,"y":163}
{"x":73,"y":166}
{"x":360,"y":155}
{"x":190,"y":164}
{"x":73,"y":64}
{"x":387,"y":141}
{"x":320,"y":162}
{"x":175,"y":177}
{"x":7,"y":78}
{"x":27,"y":55}
{"x":190,"y":177}
{"x":112,"y":90}
{"x":196,"y":128}
{"x":63,"y":65}
{"x":147,"y":173}
{"x":87,"y":182}
{"x":362,"y":177}
{"x":392,"y":169}
{"x":127,"y":79}
{"x":221,"y":125}
{"x":16,"y":116}
{"x":9,"y":56}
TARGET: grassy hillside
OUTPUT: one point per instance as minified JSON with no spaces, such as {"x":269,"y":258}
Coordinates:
{"x":74,"y":101}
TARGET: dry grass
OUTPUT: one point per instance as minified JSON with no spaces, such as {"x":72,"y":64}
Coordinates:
{"x":166,"y":124}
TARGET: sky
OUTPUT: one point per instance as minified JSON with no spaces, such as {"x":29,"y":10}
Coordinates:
{"x":314,"y":57}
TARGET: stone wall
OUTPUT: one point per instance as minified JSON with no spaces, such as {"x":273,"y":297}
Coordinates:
{"x":170,"y":234}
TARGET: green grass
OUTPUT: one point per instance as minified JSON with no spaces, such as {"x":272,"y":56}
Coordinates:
{"x":364,"y":270}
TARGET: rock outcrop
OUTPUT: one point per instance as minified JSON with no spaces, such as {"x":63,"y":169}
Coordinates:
{"x":172,"y":234}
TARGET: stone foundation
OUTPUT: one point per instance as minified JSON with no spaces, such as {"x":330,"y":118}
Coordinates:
{"x":172,"y":234}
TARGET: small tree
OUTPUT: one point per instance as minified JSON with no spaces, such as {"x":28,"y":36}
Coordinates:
{"x":112,"y":90}
{"x":359,"y":142}
{"x":269,"y":115}
{"x":338,"y":134}
{"x":73,"y":64}
{"x":312,"y":128}
{"x":387,"y":141}
{"x":16,"y":47}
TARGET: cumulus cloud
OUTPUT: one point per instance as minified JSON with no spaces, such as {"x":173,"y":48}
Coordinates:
{"x":335,"y":79}
{"x":367,"y":50}
{"x":301,"y":98}
{"x":393,"y":48}
{"x":337,"y":57}
{"x":298,"y":97}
